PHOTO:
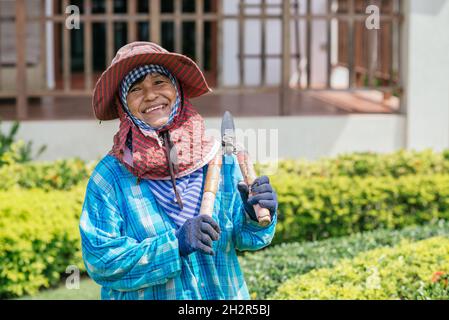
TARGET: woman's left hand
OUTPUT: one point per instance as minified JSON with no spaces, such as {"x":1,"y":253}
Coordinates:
{"x":262,"y":194}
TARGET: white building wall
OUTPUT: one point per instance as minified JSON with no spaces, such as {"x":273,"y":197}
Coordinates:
{"x":307,"y":137}
{"x":426,"y":62}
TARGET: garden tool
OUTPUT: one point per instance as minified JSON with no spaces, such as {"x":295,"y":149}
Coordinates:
{"x":246,"y":166}
{"x":211,"y":184}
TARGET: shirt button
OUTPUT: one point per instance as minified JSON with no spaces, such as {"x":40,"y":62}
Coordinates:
{"x":202,"y":285}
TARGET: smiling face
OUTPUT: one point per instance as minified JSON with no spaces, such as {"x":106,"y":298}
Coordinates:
{"x":151,"y":99}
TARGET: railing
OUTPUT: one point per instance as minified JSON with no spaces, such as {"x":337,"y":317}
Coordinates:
{"x":364,"y":67}
{"x":371,"y":54}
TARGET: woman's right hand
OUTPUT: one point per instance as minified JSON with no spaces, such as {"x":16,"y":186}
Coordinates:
{"x":197,"y":234}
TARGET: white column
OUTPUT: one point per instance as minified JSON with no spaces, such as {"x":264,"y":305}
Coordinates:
{"x":50,"y":40}
{"x":426,"y":74}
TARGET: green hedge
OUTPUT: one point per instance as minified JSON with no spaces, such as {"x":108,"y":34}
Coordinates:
{"x":39,"y":238}
{"x":363,"y":164}
{"x":403,"y":272}
{"x":317,"y":208}
{"x":63,"y":174}
{"x":266,"y":270}
{"x":311,"y":209}
{"x":60,"y":174}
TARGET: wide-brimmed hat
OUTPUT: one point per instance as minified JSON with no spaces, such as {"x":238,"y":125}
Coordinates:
{"x":140,"y":53}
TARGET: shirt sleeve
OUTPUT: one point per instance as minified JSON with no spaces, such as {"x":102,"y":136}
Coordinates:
{"x":115,"y":260}
{"x":247,"y":234}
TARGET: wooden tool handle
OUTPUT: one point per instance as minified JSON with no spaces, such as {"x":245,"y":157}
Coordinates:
{"x":249,"y":175}
{"x":211,"y":184}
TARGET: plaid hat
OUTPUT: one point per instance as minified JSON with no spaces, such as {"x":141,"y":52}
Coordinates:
{"x":137,"y":54}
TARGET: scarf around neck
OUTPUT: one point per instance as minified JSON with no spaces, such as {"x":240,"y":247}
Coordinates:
{"x":187,"y":132}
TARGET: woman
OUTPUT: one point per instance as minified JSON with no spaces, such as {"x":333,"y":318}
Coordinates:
{"x":142,"y":235}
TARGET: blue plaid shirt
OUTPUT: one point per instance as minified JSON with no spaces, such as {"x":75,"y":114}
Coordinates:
{"x":129,"y":245}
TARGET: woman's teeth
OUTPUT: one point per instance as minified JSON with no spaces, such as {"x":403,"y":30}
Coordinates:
{"x":154,"y":108}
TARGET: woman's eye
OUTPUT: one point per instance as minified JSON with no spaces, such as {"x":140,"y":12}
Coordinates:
{"x":134,"y":89}
{"x":157,"y":82}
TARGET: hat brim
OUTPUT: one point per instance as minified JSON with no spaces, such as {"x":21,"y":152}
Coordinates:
{"x":183,"y":68}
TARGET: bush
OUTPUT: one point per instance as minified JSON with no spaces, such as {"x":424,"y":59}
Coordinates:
{"x":60,"y":174}
{"x":364,"y":164}
{"x":403,"y":272}
{"x":39,"y":238}
{"x":19,"y":151}
{"x":266,"y":270}
{"x":317,"y":208}
{"x":17,"y":170}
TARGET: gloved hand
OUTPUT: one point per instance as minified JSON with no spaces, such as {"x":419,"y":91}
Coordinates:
{"x":197,"y":233}
{"x":263,"y":194}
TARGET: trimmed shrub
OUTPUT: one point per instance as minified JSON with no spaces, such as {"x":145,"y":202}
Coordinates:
{"x":39,"y":238}
{"x":266,"y":270}
{"x":60,"y":174}
{"x":418,"y":200}
{"x":364,"y":164}
{"x":403,"y":272}
{"x":12,"y":151}
{"x":318,"y":208}
{"x":39,"y":234}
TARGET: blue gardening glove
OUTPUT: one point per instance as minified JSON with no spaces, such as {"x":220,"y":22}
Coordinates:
{"x":197,"y":234}
{"x":264,"y":195}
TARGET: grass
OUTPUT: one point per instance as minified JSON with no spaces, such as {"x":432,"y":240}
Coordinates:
{"x":88,"y":290}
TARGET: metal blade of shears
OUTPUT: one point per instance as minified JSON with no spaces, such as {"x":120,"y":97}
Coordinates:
{"x":228,"y":134}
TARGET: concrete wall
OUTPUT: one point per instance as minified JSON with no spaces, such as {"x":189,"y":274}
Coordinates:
{"x":306,"y":137}
{"x":426,"y":73}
